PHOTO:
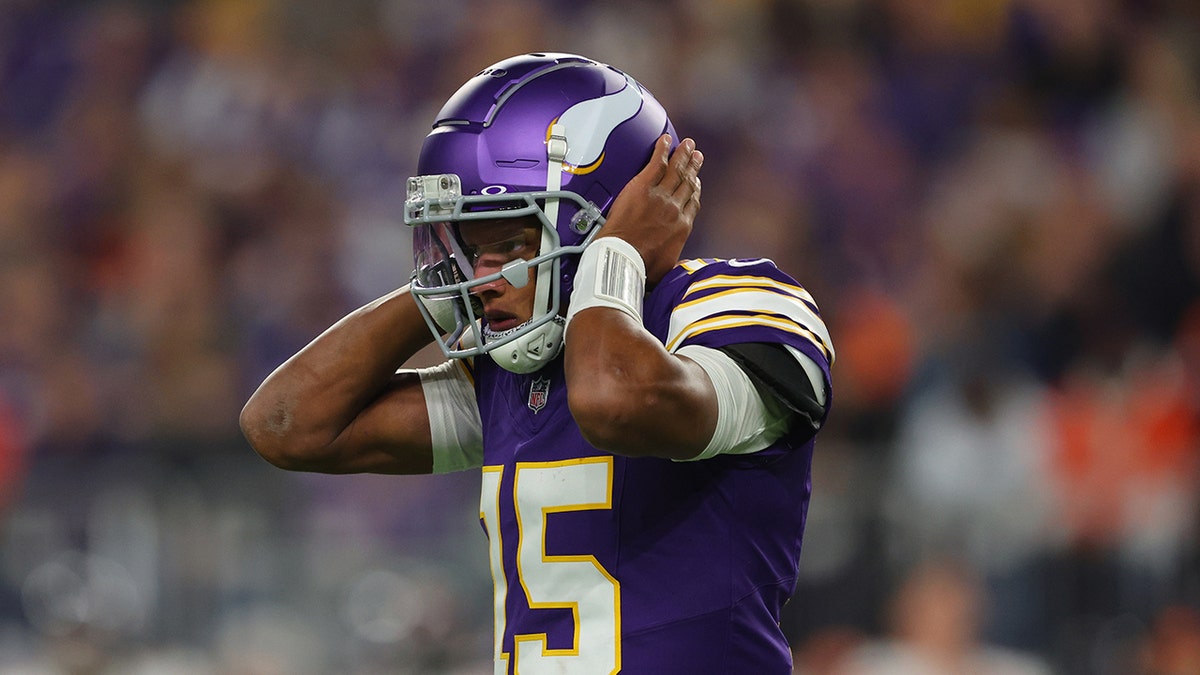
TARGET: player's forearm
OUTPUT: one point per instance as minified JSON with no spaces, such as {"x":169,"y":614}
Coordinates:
{"x":295,"y":415}
{"x":629,"y":395}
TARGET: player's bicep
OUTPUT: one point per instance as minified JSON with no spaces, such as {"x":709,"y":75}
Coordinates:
{"x":389,"y":435}
{"x":426,"y":421}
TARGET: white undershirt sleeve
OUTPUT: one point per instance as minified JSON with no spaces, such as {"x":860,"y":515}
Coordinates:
{"x":454,"y":423}
{"x":746,"y":420}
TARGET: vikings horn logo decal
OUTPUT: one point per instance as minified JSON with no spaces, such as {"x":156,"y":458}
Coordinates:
{"x":603,"y":115}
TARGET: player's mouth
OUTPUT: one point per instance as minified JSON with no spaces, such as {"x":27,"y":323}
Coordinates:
{"x":499,"y":321}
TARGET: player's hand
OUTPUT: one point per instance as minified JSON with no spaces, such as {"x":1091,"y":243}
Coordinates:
{"x":655,"y":210}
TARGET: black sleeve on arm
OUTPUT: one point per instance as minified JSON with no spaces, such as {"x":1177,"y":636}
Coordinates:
{"x":773,"y":369}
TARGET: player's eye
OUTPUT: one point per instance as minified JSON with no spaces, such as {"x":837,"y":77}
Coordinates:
{"x":510,"y":246}
{"x":506,"y":248}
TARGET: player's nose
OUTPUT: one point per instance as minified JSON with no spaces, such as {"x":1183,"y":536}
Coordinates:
{"x":487,"y":265}
{"x":493,"y":287}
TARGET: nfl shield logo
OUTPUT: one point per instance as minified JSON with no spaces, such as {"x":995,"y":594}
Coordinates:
{"x":539,"y":391}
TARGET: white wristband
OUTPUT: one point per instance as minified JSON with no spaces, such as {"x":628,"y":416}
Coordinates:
{"x":611,"y":274}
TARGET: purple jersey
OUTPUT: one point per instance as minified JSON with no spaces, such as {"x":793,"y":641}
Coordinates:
{"x":604,"y":563}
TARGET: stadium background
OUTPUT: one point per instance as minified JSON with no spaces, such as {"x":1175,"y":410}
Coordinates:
{"x":996,"y":202}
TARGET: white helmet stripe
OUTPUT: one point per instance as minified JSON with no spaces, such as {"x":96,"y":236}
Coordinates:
{"x":557,"y":147}
{"x":598,"y":117}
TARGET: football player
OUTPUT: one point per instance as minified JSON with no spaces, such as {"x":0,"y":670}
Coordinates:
{"x":644,"y":426}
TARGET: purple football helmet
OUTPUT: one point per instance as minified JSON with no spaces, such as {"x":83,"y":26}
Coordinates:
{"x":552,"y":136}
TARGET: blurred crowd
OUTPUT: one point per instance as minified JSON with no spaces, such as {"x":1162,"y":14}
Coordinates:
{"x":995,"y":202}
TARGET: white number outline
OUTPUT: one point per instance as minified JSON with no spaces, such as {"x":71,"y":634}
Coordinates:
{"x":489,"y":513}
{"x":588,"y":482}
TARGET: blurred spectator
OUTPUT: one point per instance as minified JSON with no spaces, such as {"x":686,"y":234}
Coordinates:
{"x":971,"y":479}
{"x":935,"y":630}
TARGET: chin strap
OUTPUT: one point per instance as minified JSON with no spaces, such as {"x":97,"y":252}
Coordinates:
{"x":531,"y":350}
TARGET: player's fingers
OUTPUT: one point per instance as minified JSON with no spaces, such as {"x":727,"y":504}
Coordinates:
{"x":689,"y":175}
{"x":692,"y":206}
{"x":681,"y":168}
{"x":657,"y":167}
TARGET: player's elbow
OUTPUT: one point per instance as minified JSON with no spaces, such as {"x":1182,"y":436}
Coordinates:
{"x":604,"y":420}
{"x":272,"y":433}
{"x":627,"y":420}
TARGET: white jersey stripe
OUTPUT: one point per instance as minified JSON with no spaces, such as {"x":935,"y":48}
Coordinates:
{"x":763,"y":299}
{"x":748,"y":299}
{"x":738,"y":320}
{"x":731,"y":281}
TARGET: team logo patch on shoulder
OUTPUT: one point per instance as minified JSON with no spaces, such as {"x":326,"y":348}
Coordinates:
{"x":539,"y":392}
